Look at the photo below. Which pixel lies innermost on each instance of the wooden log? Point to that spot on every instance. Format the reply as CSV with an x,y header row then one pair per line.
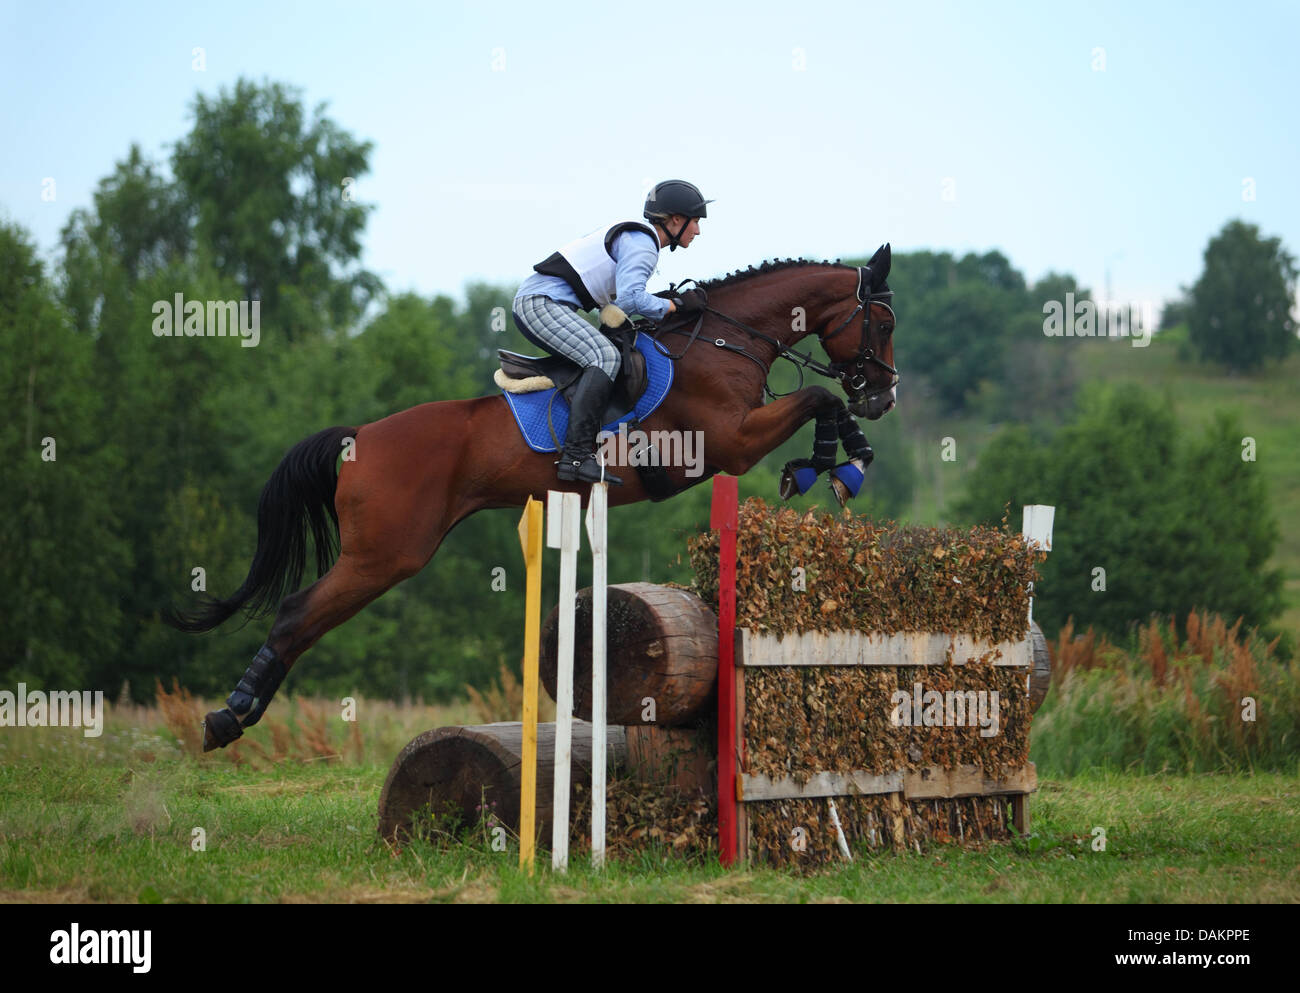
x,y
662,644
454,771
680,757
1040,674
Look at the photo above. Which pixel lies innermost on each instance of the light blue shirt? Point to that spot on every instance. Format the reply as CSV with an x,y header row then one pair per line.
x,y
635,255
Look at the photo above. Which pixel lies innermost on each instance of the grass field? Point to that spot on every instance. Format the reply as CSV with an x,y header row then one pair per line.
x,y
113,819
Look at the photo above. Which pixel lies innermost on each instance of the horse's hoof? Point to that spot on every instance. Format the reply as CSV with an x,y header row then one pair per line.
x,y
846,480
797,476
220,728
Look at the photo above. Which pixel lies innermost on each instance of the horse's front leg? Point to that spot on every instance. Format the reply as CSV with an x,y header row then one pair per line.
x,y
762,429
798,475
846,478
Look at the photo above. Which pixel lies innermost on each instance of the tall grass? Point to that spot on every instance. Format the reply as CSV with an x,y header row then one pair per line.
x,y
1216,699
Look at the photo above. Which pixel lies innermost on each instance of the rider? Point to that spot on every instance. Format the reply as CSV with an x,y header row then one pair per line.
x,y
609,265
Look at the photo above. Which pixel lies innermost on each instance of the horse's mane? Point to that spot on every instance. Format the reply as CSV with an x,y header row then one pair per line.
x,y
775,265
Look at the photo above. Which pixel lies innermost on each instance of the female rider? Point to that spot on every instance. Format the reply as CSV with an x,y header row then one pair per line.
x,y
609,265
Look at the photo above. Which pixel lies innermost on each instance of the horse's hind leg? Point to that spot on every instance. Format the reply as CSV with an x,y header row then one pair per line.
x,y
394,511
302,619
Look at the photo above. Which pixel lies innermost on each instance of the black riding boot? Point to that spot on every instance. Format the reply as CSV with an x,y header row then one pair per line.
x,y
577,459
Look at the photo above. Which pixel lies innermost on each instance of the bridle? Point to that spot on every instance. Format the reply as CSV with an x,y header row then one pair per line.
x,y
856,387
851,373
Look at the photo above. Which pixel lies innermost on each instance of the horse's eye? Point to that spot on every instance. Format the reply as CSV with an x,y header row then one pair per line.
x,y
886,329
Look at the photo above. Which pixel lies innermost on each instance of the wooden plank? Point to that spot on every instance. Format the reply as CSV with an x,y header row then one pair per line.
x,y
896,810
742,760
1020,813
761,648
931,783
760,787
937,783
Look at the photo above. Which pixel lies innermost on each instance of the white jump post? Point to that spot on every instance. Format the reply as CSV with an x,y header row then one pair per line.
x,y
597,513
1037,529
563,515
563,522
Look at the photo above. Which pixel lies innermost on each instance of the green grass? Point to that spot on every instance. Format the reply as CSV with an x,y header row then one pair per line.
x,y
113,821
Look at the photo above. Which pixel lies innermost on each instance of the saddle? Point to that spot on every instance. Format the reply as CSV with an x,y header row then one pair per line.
x,y
531,374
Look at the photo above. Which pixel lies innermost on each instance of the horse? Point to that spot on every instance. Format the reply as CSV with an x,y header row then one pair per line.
x,y
405,481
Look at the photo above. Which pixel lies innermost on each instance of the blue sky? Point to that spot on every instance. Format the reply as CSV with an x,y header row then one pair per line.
x,y
822,129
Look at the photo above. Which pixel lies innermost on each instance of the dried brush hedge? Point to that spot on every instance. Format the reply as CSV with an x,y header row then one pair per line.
x,y
820,573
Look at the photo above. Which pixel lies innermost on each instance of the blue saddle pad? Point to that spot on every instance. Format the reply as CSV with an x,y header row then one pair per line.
x,y
530,408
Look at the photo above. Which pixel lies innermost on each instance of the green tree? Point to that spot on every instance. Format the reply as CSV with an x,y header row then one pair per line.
x,y
273,196
1240,307
957,337
59,549
1175,523
140,221
972,330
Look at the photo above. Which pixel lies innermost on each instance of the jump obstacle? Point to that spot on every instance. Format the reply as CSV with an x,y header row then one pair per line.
x,y
811,747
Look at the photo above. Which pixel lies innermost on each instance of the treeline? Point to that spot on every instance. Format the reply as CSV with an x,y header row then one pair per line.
x,y
134,459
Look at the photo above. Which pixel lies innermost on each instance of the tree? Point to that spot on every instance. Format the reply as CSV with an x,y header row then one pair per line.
x,y
957,337
273,195
1174,523
140,218
973,330
59,624
1240,313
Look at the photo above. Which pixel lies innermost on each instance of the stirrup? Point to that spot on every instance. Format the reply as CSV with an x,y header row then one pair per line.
x,y
588,469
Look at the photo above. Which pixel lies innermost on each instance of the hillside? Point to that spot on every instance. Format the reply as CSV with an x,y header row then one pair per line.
x,y
1267,404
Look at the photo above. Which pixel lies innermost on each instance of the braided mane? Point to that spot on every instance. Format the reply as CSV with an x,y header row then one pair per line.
x,y
775,265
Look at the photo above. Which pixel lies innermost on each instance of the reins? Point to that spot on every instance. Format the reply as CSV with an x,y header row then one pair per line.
x,y
837,371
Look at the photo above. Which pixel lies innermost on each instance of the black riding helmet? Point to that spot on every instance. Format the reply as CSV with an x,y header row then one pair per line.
x,y
674,196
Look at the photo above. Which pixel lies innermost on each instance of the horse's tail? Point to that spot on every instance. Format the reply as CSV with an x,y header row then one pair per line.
x,y
298,498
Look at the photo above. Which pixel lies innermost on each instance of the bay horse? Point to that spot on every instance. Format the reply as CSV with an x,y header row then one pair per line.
x,y
412,476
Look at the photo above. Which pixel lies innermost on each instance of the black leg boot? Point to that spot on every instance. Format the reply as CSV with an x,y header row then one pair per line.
x,y
577,459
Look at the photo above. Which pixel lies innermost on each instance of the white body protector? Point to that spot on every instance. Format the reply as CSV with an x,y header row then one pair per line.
x,y
587,265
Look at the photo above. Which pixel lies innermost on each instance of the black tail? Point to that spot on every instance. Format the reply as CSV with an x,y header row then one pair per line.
x,y
298,498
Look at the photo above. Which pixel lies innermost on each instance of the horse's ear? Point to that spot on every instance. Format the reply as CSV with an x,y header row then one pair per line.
x,y
880,266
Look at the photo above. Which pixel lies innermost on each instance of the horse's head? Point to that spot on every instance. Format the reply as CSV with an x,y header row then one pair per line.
x,y
862,352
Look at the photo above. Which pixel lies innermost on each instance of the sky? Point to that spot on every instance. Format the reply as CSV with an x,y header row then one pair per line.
x,y
1110,142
